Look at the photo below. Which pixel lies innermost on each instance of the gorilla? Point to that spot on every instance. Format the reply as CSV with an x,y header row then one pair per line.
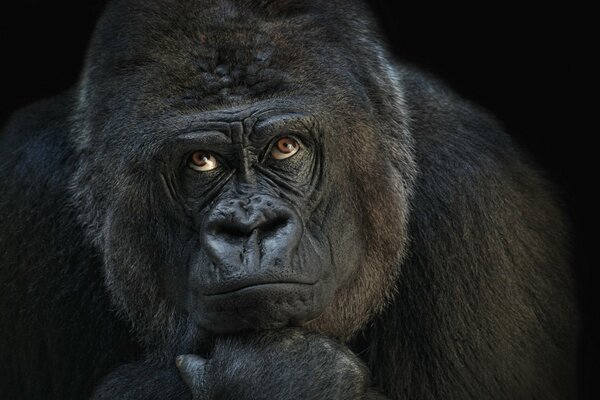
x,y
250,199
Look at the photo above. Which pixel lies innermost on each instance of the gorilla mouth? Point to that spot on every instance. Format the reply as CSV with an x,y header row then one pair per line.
x,y
258,304
266,286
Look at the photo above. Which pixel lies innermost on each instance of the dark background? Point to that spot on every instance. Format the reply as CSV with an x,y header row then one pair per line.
x,y
518,59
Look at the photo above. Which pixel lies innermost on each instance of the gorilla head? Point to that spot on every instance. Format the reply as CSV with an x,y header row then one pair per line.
x,y
236,170
226,167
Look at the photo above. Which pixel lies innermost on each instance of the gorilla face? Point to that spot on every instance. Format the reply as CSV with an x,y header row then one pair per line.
x,y
248,182
232,172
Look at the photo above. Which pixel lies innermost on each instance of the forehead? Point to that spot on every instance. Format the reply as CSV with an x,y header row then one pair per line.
x,y
193,57
226,73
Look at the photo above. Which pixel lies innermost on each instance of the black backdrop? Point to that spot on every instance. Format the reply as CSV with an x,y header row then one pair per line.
x,y
519,59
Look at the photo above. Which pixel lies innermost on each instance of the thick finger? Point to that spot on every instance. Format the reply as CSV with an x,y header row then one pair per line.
x,y
192,368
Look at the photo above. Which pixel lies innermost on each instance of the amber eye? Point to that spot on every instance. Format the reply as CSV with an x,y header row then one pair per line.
x,y
202,161
284,148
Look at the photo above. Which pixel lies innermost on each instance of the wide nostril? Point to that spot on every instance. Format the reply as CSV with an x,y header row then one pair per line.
x,y
274,224
229,231
237,229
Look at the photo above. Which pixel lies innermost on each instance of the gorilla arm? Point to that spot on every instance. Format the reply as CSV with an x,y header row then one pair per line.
x,y
485,301
54,310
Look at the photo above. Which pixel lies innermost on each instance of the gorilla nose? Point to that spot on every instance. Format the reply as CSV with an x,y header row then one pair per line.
x,y
260,231
241,227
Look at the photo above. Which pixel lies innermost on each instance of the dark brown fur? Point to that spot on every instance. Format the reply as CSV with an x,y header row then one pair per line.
x,y
448,245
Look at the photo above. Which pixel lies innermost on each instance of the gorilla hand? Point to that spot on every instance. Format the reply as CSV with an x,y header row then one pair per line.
x,y
284,364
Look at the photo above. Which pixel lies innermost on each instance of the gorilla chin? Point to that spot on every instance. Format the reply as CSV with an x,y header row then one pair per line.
x,y
260,306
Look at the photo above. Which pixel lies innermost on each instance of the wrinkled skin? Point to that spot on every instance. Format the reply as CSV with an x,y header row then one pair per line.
x,y
250,200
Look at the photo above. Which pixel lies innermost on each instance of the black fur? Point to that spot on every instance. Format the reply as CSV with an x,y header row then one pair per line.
x,y
438,250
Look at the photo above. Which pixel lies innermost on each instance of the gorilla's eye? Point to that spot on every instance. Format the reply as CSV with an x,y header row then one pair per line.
x,y
284,148
202,161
